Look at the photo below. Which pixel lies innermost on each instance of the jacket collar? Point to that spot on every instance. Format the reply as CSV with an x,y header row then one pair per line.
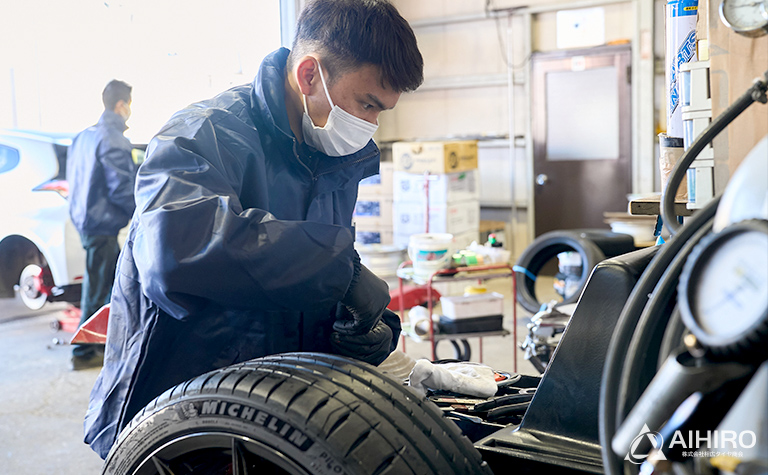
x,y
269,92
114,120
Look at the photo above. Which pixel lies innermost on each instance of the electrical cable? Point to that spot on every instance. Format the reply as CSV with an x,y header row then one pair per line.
x,y
624,330
757,92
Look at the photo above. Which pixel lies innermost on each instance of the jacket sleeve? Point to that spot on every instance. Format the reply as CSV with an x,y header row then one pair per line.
x,y
196,244
120,173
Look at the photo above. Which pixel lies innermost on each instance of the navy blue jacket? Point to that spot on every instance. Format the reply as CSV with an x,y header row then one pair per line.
x,y
241,246
101,175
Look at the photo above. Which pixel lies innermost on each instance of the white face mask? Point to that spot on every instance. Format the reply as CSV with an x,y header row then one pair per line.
x,y
343,133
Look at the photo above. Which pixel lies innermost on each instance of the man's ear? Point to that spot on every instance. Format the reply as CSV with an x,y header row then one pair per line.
x,y
118,105
307,74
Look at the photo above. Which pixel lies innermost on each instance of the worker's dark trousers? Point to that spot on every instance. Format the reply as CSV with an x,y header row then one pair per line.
x,y
101,254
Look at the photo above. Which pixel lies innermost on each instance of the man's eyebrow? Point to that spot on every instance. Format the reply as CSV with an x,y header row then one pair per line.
x,y
377,102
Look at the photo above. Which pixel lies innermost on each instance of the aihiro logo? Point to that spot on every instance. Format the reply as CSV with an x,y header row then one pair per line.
x,y
656,442
648,445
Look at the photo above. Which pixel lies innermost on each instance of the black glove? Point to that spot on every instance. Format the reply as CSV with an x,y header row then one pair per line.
x,y
366,299
372,347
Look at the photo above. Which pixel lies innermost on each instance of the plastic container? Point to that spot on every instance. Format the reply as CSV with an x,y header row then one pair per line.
x,y
680,41
472,306
490,323
430,252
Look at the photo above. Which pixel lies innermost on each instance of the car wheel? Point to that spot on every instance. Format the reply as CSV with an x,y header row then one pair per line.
x,y
299,413
29,290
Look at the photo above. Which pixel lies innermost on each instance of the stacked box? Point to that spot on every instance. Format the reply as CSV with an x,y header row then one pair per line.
x,y
454,218
444,188
373,211
378,185
435,158
450,169
696,101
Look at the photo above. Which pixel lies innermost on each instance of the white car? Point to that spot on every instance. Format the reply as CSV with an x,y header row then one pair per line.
x,y
40,251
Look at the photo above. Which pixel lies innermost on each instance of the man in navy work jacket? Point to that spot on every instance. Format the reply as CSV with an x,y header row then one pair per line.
x,y
242,243
101,175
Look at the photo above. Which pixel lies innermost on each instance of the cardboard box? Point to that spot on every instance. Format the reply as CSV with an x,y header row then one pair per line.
x,y
373,211
377,185
446,188
374,235
435,157
408,217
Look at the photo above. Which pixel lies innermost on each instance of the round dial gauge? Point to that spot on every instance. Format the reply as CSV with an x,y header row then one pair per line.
x,y
723,292
746,17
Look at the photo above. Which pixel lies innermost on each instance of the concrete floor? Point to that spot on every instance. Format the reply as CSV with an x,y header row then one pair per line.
x,y
42,402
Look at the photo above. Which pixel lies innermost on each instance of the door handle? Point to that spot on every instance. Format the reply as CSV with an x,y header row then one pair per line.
x,y
541,179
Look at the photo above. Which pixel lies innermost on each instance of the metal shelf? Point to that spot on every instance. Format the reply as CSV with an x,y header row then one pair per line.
x,y
479,273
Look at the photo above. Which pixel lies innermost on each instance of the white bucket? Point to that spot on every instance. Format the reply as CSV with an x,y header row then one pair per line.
x,y
430,252
383,260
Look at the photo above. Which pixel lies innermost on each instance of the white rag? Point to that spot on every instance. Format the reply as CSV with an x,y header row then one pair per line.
x,y
463,378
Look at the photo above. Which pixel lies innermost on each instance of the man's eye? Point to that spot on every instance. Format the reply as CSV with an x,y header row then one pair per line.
x,y
367,106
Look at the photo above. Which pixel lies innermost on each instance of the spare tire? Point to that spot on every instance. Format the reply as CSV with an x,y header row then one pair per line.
x,y
593,245
293,413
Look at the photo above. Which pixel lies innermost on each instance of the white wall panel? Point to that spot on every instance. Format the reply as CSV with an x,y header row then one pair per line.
x,y
445,113
619,25
414,10
467,48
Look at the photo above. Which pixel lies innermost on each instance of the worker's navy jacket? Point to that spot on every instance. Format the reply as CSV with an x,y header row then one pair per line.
x,y
241,246
101,176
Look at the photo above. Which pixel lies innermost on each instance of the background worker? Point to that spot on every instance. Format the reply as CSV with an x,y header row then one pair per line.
x,y
101,175
242,242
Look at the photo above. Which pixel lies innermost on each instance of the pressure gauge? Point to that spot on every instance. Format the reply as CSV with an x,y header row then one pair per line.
x,y
723,292
746,17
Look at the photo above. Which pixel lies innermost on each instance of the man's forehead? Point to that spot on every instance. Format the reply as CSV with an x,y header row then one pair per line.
x,y
369,85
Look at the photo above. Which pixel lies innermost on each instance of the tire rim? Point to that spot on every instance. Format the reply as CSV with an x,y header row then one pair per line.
x,y
30,294
217,453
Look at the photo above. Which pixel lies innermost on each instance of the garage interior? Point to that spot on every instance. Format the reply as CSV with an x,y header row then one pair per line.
x,y
558,111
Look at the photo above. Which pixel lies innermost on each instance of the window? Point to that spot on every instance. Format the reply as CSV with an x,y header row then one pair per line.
x,y
9,158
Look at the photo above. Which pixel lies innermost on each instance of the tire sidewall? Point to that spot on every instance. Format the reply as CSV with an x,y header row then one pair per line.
x,y
226,415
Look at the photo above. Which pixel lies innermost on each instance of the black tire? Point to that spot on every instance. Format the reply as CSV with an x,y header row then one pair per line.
x,y
537,363
293,413
461,349
544,248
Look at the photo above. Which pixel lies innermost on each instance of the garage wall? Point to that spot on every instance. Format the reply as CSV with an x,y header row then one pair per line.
x,y
475,53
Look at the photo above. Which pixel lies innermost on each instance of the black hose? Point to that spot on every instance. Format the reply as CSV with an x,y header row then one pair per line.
x,y
641,361
755,93
622,334
673,336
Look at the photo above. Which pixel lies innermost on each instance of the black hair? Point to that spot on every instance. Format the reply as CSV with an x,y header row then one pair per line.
x,y
351,33
115,91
